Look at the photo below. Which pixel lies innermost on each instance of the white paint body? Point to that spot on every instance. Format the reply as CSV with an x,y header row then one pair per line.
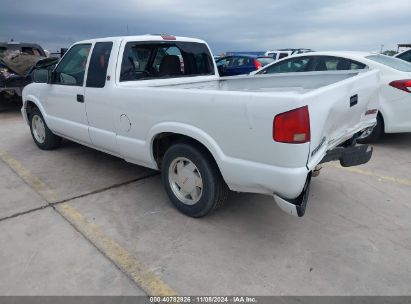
x,y
395,105
232,117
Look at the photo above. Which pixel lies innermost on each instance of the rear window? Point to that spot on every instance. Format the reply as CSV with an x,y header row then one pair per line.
x,y
265,60
150,60
394,63
405,56
31,51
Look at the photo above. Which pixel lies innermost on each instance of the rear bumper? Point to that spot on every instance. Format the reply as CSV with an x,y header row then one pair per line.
x,y
348,156
295,207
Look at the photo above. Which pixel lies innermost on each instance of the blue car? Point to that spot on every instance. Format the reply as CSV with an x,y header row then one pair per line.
x,y
241,64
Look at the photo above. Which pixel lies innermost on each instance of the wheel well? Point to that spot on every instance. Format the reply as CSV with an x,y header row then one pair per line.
x,y
382,120
30,106
165,140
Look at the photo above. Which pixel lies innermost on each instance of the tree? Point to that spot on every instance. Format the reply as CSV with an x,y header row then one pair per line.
x,y
389,52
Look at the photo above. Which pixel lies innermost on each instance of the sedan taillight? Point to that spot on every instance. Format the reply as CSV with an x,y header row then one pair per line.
x,y
404,85
257,64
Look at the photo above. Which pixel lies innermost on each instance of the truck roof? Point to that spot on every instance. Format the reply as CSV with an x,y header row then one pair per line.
x,y
147,37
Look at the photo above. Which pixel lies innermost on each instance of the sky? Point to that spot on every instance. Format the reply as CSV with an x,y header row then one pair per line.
x,y
227,25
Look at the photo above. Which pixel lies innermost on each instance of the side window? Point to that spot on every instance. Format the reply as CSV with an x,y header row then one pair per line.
x,y
406,56
328,63
223,62
244,61
71,69
142,60
97,69
282,55
354,65
296,64
239,61
274,55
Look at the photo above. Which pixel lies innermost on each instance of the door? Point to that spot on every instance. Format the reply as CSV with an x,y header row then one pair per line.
x,y
64,103
99,105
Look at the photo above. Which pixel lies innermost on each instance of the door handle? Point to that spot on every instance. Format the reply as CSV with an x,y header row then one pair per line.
x,y
80,98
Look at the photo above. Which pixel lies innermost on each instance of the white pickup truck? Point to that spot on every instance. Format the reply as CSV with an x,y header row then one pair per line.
x,y
158,101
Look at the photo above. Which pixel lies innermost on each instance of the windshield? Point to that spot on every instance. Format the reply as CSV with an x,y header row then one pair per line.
x,y
394,63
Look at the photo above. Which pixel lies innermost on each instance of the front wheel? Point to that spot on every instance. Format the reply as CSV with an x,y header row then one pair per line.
x,y
192,180
42,136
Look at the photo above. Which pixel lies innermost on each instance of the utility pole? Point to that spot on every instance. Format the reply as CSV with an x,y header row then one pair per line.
x,y
127,29
382,47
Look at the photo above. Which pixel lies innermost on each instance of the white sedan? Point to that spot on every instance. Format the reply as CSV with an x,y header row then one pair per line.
x,y
395,82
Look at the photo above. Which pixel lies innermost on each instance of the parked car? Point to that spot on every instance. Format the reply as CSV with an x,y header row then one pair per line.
x,y
406,55
130,97
17,61
243,64
23,47
395,82
280,54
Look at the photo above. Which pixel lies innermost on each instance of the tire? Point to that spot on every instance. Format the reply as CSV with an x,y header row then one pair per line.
x,y
376,133
186,167
42,136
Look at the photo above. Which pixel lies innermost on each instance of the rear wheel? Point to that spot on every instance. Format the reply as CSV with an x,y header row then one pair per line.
x,y
42,136
192,180
375,134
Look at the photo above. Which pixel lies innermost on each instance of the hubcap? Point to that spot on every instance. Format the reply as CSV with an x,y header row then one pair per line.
x,y
185,180
39,130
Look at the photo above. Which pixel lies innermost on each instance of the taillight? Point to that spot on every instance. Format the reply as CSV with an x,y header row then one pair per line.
x,y
168,37
257,64
404,85
292,127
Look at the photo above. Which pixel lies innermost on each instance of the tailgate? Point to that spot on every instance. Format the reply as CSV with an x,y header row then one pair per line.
x,y
337,112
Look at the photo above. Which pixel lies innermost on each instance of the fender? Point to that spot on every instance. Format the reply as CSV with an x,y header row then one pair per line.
x,y
34,100
187,130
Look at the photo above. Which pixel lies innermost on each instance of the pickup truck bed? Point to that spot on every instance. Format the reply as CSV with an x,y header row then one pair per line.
x,y
240,125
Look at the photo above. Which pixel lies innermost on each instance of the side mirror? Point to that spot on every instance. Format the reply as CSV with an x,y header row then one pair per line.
x,y
52,77
41,76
